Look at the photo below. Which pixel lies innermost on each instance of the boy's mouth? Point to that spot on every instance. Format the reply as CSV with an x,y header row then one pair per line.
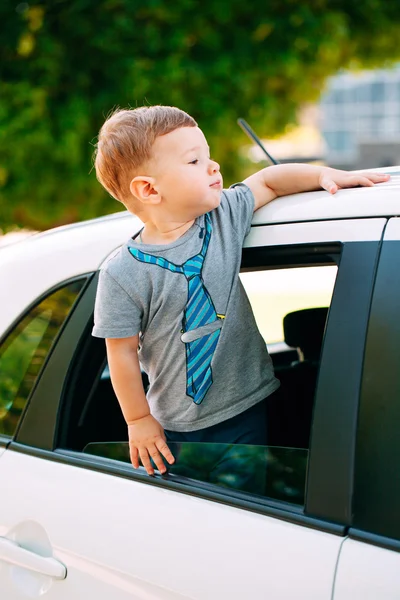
x,y
216,184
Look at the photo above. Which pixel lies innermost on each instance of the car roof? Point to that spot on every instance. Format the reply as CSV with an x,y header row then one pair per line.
x,y
39,260
380,200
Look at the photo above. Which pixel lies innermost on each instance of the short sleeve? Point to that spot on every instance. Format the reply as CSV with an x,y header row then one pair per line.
x,y
116,315
238,202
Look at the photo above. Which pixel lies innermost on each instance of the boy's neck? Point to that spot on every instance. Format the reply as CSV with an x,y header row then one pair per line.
x,y
163,233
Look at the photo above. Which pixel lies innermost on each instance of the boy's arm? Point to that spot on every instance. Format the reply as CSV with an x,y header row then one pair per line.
x,y
146,436
281,180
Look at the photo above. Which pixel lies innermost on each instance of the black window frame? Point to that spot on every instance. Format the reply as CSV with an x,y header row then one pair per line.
x,y
377,473
331,463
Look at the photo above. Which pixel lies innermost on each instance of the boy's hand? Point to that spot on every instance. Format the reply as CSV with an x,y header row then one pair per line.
x,y
147,439
333,179
293,178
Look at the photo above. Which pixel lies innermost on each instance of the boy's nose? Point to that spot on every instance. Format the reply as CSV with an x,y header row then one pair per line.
x,y
214,167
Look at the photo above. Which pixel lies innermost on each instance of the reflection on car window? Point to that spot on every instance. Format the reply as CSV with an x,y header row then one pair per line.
x,y
24,351
273,472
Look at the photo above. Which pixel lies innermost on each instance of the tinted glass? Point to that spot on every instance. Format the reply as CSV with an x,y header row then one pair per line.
x,y
273,472
376,498
23,352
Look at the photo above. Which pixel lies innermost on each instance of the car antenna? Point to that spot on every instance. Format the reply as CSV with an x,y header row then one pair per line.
x,y
248,131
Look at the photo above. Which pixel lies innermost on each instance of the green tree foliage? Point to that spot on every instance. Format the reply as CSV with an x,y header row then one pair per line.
x,y
64,65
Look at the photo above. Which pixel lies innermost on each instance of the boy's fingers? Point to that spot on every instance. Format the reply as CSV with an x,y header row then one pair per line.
x,y
144,457
365,181
133,451
155,455
329,185
165,451
378,177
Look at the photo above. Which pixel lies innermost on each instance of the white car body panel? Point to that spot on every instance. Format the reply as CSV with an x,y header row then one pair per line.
x,y
392,231
353,230
381,200
123,539
367,572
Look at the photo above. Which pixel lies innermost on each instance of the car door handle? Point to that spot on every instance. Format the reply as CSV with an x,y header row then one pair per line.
x,y
13,553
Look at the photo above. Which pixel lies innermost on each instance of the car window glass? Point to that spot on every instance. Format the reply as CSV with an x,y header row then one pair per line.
x,y
273,472
24,350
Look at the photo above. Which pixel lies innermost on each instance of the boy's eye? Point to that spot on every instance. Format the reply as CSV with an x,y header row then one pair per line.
x,y
194,162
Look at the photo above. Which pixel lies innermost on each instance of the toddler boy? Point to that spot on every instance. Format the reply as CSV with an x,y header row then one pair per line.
x,y
170,299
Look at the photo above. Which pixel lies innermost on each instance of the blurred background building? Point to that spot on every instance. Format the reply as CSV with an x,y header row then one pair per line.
x,y
359,118
356,124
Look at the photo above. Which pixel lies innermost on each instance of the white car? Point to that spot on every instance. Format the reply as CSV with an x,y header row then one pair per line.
x,y
315,515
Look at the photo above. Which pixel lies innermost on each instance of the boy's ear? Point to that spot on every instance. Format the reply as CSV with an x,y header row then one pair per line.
x,y
143,188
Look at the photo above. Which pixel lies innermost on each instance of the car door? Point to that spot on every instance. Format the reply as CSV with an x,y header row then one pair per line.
x,y
122,534
369,565
24,349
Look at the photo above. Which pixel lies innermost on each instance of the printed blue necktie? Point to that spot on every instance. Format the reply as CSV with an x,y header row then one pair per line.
x,y
199,312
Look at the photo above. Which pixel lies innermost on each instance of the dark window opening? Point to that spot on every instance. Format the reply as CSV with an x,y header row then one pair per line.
x,y
290,296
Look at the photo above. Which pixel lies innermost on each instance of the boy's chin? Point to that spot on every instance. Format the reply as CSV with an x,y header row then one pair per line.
x,y
216,201
206,207
203,209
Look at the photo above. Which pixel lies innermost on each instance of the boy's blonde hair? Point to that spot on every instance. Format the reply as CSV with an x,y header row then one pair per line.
x,y
125,142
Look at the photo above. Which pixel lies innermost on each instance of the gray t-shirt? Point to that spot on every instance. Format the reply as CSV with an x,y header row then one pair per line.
x,y
198,339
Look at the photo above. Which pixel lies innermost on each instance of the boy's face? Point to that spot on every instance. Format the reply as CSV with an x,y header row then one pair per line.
x,y
188,181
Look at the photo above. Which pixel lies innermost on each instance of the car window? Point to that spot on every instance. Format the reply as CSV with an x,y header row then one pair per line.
x,y
24,350
291,307
277,473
